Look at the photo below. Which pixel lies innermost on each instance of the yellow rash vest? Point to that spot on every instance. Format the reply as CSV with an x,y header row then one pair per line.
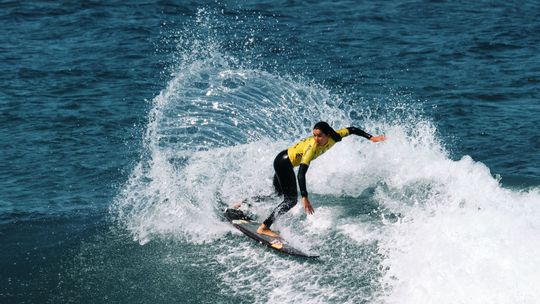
x,y
307,149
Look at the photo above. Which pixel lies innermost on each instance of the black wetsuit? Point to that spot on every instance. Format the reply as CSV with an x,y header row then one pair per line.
x,y
284,178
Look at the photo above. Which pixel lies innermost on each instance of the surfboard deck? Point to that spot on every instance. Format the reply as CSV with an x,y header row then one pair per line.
x,y
249,227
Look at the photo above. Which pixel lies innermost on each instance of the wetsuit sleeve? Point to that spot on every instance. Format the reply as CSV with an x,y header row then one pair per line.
x,y
302,179
356,131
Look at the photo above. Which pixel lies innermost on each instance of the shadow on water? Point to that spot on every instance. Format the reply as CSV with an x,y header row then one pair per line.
x,y
364,206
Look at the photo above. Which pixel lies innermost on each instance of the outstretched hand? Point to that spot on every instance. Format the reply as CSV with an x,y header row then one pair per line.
x,y
307,206
378,138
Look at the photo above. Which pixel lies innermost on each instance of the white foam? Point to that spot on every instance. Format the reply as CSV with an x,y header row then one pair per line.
x,y
463,239
359,232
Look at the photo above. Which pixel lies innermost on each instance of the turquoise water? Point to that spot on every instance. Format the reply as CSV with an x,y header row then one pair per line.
x,y
127,128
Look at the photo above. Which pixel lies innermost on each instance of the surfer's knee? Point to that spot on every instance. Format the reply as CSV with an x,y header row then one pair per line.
x,y
287,204
290,200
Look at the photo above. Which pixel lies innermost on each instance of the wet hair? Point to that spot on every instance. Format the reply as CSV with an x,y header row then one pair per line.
x,y
327,130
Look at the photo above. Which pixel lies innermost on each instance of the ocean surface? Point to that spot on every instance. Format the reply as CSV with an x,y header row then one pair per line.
x,y
126,128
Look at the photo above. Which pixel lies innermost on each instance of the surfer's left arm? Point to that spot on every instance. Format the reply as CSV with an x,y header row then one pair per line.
x,y
360,132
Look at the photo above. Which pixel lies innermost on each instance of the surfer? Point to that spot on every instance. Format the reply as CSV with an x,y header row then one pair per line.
x,y
301,154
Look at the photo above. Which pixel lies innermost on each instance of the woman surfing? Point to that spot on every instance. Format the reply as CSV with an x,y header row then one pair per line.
x,y
301,154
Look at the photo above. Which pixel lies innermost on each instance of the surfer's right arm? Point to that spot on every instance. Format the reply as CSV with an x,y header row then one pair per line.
x,y
303,191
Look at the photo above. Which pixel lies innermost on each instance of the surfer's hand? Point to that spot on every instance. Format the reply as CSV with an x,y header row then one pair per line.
x,y
378,138
307,206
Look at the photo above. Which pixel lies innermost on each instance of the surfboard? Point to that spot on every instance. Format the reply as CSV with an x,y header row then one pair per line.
x,y
249,227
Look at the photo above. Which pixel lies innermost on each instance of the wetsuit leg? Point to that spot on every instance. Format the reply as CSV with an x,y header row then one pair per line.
x,y
286,181
277,186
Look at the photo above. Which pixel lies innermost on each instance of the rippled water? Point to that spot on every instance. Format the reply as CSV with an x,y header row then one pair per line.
x,y
126,129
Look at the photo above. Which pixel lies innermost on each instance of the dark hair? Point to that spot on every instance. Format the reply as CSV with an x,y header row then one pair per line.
x,y
327,130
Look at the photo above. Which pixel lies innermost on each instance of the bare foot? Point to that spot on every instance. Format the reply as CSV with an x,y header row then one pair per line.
x,y
265,231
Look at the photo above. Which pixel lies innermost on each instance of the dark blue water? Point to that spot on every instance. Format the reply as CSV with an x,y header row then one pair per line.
x,y
126,128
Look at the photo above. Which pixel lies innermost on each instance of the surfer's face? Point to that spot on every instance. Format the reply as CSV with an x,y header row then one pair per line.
x,y
320,138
